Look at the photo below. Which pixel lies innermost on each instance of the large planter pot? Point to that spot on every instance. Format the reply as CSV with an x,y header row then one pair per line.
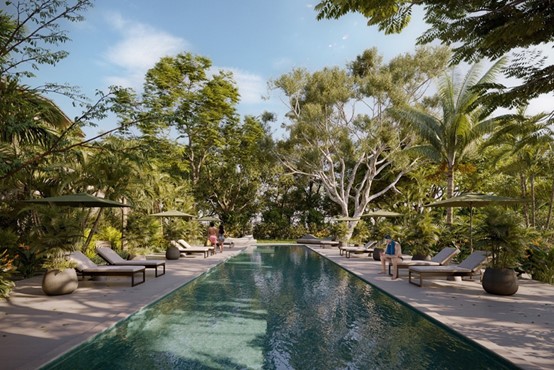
x,y
58,282
500,281
377,254
172,253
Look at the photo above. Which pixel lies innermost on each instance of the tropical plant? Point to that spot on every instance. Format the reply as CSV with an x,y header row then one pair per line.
x,y
523,147
56,233
357,157
501,234
451,135
479,29
6,269
542,265
421,235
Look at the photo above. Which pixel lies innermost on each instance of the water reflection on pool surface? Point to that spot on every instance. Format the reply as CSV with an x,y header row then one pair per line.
x,y
277,308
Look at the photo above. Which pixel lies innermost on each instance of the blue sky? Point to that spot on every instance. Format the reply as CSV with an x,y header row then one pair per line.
x,y
257,40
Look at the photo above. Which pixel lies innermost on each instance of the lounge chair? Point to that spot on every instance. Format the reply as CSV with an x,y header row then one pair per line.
x,y
85,267
468,267
310,239
439,259
189,248
112,258
367,248
185,248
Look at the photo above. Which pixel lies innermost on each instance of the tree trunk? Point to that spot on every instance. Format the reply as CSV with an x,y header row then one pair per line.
x,y
523,188
449,191
547,226
533,209
92,230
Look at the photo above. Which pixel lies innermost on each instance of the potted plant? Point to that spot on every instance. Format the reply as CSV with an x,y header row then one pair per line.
x,y
60,276
55,235
503,236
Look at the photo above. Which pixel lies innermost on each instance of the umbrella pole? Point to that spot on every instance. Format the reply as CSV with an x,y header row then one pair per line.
x,y
471,229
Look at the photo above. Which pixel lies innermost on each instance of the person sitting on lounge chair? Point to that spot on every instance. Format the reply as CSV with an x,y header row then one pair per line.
x,y
393,253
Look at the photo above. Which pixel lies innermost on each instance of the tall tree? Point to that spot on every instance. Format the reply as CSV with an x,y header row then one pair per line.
x,y
237,173
30,33
451,134
180,93
478,29
523,147
345,150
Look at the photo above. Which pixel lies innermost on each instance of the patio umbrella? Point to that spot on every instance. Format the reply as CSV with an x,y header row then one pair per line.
x,y
382,213
82,200
347,219
472,200
208,218
170,213
78,200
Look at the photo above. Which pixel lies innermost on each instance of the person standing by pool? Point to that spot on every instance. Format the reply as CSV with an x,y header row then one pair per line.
x,y
221,237
212,234
393,253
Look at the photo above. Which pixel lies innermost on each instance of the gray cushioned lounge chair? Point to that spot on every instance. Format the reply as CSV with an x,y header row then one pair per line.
x,y
367,248
468,267
85,267
312,240
206,251
112,258
442,258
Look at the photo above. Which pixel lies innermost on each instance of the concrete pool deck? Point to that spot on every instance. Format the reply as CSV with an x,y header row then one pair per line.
x,y
35,329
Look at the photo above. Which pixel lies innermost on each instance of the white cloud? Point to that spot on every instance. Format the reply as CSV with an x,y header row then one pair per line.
x,y
139,47
282,63
251,86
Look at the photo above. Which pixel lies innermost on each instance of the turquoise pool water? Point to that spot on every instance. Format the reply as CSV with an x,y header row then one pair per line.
x,y
278,308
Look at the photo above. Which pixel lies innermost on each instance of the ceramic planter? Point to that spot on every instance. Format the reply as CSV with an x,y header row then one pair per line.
x,y
500,281
172,253
58,282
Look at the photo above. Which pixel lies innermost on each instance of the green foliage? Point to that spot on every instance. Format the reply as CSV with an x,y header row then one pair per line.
x,y
421,235
456,235
451,135
55,234
110,234
479,29
6,269
540,264
58,263
502,234
344,152
25,259
30,28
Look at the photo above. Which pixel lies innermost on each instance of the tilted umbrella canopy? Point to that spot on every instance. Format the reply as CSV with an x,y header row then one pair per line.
x,y
78,200
474,200
171,213
208,218
346,219
382,213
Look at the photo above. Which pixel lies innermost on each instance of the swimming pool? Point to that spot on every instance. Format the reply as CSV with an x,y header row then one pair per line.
x,y
278,308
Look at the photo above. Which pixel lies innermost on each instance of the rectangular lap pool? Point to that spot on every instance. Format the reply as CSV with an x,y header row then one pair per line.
x,y
278,308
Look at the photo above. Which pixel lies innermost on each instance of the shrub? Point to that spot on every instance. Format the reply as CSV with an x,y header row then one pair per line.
x,y
6,269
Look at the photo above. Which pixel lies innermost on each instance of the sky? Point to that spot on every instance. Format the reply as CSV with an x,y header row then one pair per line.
x,y
258,40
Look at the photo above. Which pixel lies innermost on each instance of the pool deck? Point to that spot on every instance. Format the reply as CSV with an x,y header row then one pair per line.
x,y
35,328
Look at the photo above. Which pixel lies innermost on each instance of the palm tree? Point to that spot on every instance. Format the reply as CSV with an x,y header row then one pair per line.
x,y
451,135
524,144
